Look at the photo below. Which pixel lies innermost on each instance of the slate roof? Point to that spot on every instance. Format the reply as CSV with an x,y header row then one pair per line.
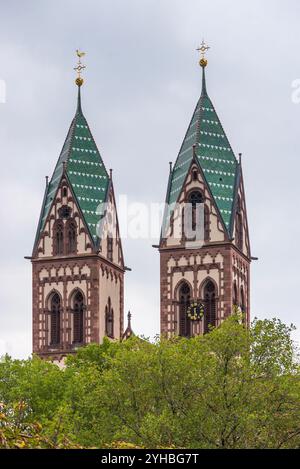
x,y
213,154
85,170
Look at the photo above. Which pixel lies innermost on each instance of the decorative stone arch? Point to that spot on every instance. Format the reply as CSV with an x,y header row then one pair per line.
x,y
178,286
71,296
194,189
49,296
203,283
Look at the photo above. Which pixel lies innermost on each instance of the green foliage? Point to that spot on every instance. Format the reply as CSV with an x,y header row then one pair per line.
x,y
235,387
16,433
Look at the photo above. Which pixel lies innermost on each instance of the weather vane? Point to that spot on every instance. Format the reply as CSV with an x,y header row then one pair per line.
x,y
79,68
203,49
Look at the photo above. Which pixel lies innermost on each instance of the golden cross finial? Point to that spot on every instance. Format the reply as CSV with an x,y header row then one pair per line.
x,y
79,68
203,48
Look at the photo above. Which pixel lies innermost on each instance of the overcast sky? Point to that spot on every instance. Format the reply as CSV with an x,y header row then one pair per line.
x,y
142,82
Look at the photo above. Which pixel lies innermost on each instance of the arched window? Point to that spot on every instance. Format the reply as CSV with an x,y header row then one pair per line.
x,y
109,320
234,295
195,198
184,301
209,306
78,307
58,237
71,231
55,319
239,225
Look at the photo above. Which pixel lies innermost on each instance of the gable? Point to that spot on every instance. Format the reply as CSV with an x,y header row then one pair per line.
x,y
194,181
80,159
63,198
206,139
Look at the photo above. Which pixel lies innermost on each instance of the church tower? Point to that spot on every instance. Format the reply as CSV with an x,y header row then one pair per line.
x,y
204,246
77,259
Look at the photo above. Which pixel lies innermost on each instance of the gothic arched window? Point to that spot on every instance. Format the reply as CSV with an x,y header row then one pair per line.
x,y
58,237
209,306
55,319
71,231
184,301
78,308
195,198
109,320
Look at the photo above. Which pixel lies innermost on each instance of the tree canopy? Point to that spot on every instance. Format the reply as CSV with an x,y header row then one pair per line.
x,y
236,387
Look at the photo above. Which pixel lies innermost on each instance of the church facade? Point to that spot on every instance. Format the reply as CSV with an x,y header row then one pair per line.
x,y
77,260
204,247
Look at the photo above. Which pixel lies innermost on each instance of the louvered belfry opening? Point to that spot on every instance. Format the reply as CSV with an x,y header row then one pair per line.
x,y
78,318
184,301
209,306
55,320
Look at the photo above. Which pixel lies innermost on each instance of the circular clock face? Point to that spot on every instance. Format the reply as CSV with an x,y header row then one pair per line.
x,y
195,311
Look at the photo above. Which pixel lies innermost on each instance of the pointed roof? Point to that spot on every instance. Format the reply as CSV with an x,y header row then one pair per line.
x,y
128,331
81,162
206,141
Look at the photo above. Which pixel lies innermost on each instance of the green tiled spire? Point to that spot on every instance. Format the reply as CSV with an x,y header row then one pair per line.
x,y
85,170
206,139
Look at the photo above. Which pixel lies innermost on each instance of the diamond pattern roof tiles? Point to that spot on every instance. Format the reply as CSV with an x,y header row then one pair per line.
x,y
85,170
213,154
